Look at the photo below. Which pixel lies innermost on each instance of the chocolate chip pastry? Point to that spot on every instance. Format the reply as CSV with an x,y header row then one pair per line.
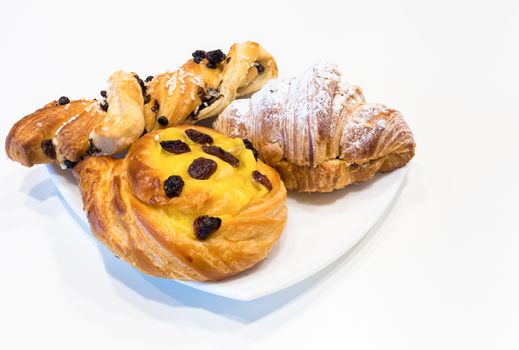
x,y
318,131
185,203
67,131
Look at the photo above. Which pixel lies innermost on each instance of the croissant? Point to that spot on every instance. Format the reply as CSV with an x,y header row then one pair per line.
x,y
185,203
67,131
318,131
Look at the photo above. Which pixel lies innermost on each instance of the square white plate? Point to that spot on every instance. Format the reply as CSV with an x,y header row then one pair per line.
x,y
321,227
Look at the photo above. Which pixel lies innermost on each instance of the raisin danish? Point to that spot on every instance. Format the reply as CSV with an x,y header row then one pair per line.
x,y
70,130
185,203
318,131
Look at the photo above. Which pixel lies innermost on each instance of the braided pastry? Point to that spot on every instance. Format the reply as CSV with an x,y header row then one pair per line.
x,y
70,130
185,203
318,131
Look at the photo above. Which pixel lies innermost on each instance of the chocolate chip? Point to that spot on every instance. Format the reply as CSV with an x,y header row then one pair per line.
x,y
162,120
262,179
205,225
259,67
155,108
223,155
147,99
103,93
202,168
249,145
199,137
69,164
175,146
48,148
149,78
63,100
92,149
173,186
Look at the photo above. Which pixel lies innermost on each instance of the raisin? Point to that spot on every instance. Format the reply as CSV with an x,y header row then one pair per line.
x,y
198,56
249,145
147,99
228,59
259,67
63,100
104,106
69,164
175,146
173,186
215,56
149,78
48,148
92,149
211,65
155,107
103,93
162,120
199,137
262,179
205,225
223,155
202,168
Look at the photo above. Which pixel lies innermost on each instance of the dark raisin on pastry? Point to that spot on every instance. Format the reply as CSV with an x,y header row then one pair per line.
x,y
198,56
48,148
104,106
63,100
223,155
69,164
215,56
147,99
198,137
141,83
92,149
259,67
155,108
175,146
250,146
205,225
103,93
149,78
173,186
162,120
202,168
262,179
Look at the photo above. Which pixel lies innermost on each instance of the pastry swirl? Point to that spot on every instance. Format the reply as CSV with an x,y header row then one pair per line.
x,y
150,211
318,131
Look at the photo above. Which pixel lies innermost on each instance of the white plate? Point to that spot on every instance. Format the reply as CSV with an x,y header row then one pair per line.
x,y
321,228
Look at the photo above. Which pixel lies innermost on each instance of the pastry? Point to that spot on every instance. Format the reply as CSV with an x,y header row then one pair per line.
x,y
67,131
185,203
318,131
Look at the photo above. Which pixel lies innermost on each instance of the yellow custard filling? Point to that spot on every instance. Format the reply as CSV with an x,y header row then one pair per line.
x,y
224,194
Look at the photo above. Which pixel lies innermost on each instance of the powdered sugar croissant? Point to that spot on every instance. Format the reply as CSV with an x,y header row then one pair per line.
x,y
318,131
70,130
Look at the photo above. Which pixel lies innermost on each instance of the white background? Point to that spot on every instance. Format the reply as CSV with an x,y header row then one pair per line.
x,y
441,272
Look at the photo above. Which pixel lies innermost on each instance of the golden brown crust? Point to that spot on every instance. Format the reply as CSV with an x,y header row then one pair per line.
x,y
195,91
130,110
318,131
153,240
23,143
